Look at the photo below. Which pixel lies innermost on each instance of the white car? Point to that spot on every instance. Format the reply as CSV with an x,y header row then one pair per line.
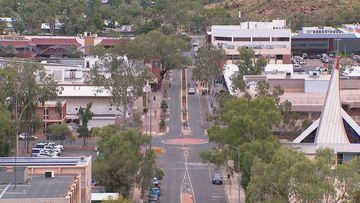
x,y
59,146
23,136
191,90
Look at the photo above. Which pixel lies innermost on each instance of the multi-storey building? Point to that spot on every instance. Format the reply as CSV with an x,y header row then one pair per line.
x,y
268,39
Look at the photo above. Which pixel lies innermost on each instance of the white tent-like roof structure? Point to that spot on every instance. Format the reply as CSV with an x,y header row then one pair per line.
x,y
329,129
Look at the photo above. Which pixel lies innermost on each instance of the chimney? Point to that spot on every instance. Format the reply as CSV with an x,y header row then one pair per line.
x,y
89,41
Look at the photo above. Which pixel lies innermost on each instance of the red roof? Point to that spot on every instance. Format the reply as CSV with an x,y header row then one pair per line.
x,y
55,41
110,42
15,43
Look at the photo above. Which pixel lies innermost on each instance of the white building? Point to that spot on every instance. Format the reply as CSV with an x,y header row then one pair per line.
x,y
269,39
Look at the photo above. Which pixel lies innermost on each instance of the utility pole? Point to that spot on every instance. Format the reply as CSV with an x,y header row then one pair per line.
x,y
148,89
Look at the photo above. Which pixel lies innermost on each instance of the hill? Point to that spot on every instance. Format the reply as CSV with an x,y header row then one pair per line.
x,y
305,12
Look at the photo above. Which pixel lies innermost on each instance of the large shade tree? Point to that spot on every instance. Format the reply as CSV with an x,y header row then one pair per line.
x,y
169,48
121,164
121,72
22,87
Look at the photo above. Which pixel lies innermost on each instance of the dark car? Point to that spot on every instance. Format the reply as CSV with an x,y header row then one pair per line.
x,y
153,197
217,179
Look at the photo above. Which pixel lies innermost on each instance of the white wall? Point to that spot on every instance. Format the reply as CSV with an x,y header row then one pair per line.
x,y
316,86
101,105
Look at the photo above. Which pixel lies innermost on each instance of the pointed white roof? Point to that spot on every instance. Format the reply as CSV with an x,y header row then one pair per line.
x,y
331,126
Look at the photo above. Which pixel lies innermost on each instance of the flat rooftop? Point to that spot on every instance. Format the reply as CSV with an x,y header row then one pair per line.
x,y
43,161
38,187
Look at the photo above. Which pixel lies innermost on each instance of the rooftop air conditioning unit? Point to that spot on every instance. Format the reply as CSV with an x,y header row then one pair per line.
x,y
49,174
82,158
314,73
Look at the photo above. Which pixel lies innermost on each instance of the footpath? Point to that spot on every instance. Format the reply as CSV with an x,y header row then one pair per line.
x,y
231,187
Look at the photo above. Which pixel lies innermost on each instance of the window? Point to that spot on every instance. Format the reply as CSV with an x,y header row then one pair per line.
x,y
298,45
280,39
46,113
223,38
261,39
46,129
72,73
87,64
242,39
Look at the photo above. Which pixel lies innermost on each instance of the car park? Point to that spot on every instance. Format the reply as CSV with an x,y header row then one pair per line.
x,y
217,179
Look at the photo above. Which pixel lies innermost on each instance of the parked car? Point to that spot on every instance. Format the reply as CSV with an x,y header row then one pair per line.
x,y
305,55
191,90
53,150
23,136
217,179
44,153
59,146
41,145
155,190
155,181
153,197
35,152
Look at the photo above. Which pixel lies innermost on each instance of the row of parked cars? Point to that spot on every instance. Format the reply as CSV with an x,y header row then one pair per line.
x,y
49,149
155,191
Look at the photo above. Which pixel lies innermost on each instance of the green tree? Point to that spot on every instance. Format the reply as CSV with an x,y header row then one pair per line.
x,y
122,73
120,199
290,176
60,132
85,115
120,159
241,121
208,65
148,170
247,66
22,87
7,132
169,48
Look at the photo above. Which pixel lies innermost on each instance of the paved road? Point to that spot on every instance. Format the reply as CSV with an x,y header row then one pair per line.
x,y
191,175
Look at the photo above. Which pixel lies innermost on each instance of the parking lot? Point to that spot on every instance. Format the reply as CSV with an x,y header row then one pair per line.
x,y
71,149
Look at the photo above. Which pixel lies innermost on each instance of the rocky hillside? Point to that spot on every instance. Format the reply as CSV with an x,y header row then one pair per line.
x,y
306,12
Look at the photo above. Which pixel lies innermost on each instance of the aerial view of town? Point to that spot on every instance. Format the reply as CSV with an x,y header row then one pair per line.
x,y
179,101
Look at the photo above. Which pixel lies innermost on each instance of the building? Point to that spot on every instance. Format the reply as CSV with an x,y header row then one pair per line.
x,y
39,188
334,129
66,171
54,46
77,96
306,92
268,39
51,112
318,40
8,27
